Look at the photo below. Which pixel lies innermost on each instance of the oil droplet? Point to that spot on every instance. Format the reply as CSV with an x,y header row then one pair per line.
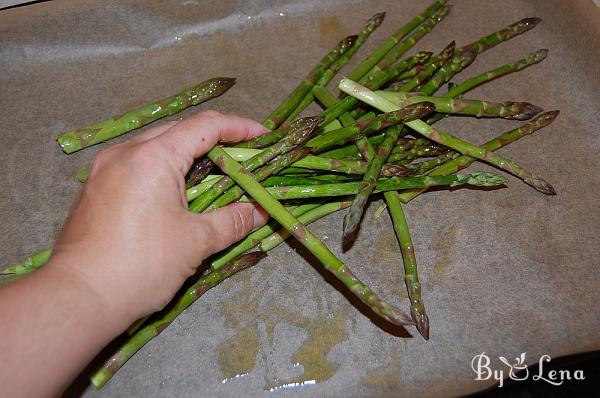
x,y
237,355
249,307
381,379
293,385
324,334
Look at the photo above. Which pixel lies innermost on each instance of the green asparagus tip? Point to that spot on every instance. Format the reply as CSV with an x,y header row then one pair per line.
x,y
537,56
423,56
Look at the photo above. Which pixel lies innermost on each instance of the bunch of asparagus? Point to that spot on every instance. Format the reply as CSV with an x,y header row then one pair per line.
x,y
377,136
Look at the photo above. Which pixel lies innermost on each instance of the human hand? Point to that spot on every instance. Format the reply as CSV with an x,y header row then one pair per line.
x,y
129,235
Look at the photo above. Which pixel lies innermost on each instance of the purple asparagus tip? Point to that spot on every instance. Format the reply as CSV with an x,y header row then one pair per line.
x,y
530,23
395,170
218,85
548,189
527,111
348,42
465,58
546,118
378,19
541,185
422,326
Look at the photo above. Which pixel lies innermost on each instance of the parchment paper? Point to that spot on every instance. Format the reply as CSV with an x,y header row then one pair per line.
x,y
504,272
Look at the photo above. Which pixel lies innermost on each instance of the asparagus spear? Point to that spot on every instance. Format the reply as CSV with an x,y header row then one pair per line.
x,y
350,151
461,162
478,108
198,172
291,102
305,237
377,75
433,64
300,131
317,144
373,23
99,132
450,141
367,185
255,237
164,318
235,192
277,180
323,190
334,138
197,190
341,107
354,215
321,163
459,61
502,35
464,56
416,152
276,238
480,179
401,48
408,74
405,145
411,276
469,84
393,40
349,166
485,77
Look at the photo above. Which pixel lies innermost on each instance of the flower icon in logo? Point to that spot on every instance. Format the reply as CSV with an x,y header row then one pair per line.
x,y
519,365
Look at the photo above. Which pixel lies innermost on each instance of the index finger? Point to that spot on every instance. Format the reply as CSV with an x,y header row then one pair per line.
x,y
196,135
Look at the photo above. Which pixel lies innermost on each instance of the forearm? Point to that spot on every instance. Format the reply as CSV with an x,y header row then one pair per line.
x,y
53,324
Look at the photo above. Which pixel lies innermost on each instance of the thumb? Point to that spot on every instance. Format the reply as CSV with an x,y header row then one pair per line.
x,y
227,225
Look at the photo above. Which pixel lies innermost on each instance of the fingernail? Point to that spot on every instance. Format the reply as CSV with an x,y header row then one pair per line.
x,y
259,216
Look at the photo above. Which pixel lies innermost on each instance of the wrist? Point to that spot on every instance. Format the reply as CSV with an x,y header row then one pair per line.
x,y
98,302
